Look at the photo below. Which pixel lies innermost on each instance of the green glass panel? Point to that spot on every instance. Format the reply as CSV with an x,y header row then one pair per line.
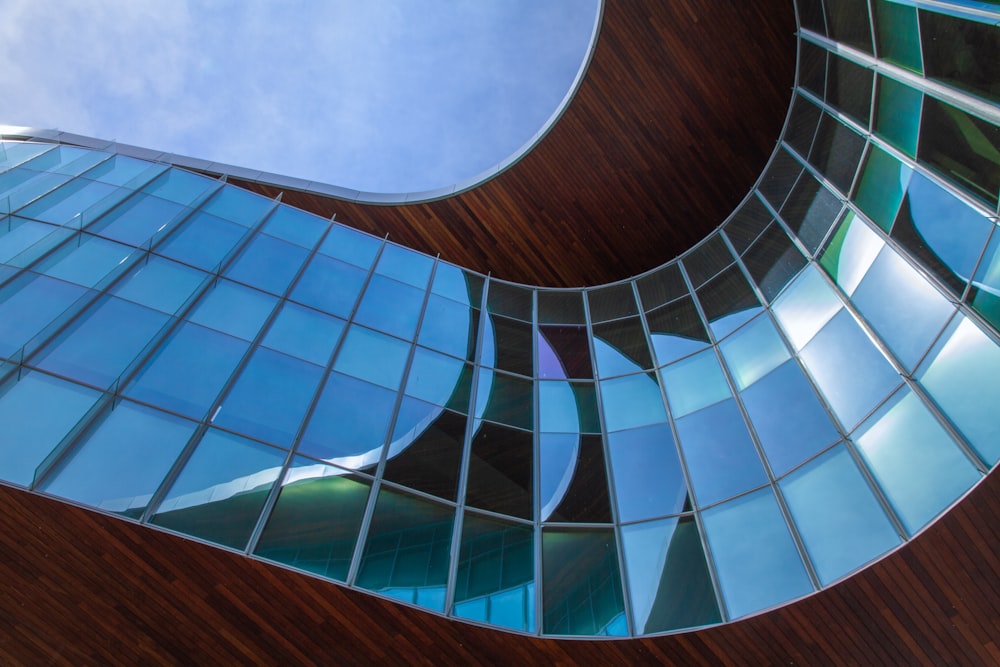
x,y
850,253
582,588
897,34
964,148
883,183
898,117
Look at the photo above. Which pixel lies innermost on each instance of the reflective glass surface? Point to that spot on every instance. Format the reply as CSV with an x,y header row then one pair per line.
x,y
582,588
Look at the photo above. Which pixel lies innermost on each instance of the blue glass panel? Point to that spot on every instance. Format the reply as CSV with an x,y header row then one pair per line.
x,y
187,372
721,457
329,285
87,263
16,152
237,205
179,186
440,380
805,307
350,245
450,327
219,493
121,169
850,253
18,234
304,333
371,356
119,465
66,160
840,520
136,221
649,481
790,422
204,241
557,408
754,352
270,397
233,309
914,460
630,401
453,283
676,330
21,186
961,375
99,346
160,284
35,414
268,263
30,303
557,458
349,423
76,197
291,224
901,306
728,301
390,306
755,558
847,367
695,383
405,265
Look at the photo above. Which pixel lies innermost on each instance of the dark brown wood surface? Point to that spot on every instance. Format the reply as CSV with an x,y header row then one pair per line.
x,y
680,109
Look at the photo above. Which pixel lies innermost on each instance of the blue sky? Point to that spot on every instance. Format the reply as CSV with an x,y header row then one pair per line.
x,y
376,95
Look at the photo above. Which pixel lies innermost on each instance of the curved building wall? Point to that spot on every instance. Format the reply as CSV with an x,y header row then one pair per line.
x,y
792,399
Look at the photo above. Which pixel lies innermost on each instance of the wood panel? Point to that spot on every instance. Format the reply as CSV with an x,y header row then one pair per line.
x,y
674,121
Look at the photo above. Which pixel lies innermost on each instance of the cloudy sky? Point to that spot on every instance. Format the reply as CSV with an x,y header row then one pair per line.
x,y
376,95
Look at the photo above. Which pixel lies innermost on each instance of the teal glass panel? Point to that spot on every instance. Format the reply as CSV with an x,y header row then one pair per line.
x,y
316,520
28,304
80,197
204,241
962,147
850,253
668,576
897,35
329,285
753,352
221,490
755,558
805,307
348,425
295,226
187,372
88,262
851,372
98,346
405,265
440,380
960,374
633,400
720,456
557,456
372,356
582,588
902,307
883,182
179,186
897,118
450,327
676,330
649,481
159,283
694,383
304,333
425,451
390,306
839,519
963,52
505,399
120,463
233,309
268,264
351,246
917,464
270,397
238,205
788,418
501,470
984,295
495,580
137,220
408,549
36,413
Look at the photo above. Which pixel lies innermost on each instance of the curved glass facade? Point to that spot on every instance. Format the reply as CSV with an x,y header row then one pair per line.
x,y
798,395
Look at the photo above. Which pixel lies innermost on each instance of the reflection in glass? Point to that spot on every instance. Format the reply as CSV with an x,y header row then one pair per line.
x,y
585,497
351,246
620,347
850,253
304,333
500,470
753,352
898,117
510,343
450,327
773,261
805,307
567,407
425,451
329,285
582,588
880,191
204,241
676,330
372,356
390,306
695,383
633,400
159,283
233,309
295,226
649,481
268,264
505,399
728,301
564,352
440,380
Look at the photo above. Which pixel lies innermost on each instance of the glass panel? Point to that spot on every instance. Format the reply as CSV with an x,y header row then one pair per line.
x,y
612,302
28,304
880,191
405,266
850,253
268,264
849,86
179,186
204,241
914,460
304,333
17,235
897,35
505,399
119,465
372,356
233,309
649,481
662,286
237,205
440,380
88,262
160,284
315,523
984,295
898,117
962,52
753,352
567,407
632,401
620,347
80,197
425,452
564,352
773,261
747,222
560,307
668,577
408,549
500,470
847,21
802,125
676,330
785,169
707,259
755,558
37,412
836,152
450,327
298,227
810,211
510,300
961,375
806,307
584,496
459,285
390,306
495,579
221,490
351,246
964,148
122,170
582,588
137,220
329,285
695,383
839,518
728,301
720,456
507,345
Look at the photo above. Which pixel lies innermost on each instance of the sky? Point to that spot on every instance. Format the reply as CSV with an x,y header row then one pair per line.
x,y
386,96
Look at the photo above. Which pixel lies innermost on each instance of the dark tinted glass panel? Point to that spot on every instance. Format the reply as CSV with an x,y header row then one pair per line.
x,y
961,52
268,263
669,581
510,300
964,148
748,222
495,581
612,302
408,548
810,211
707,260
847,21
505,399
802,126
329,285
812,67
560,308
676,330
425,451
220,492
896,34
450,327
897,119
621,347
314,524
773,261
836,152
648,478
511,345
564,352
728,301
582,591
500,471
881,187
850,89
779,179
812,16
664,285
585,497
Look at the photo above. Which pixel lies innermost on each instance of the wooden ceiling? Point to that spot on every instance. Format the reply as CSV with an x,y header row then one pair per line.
x,y
675,119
